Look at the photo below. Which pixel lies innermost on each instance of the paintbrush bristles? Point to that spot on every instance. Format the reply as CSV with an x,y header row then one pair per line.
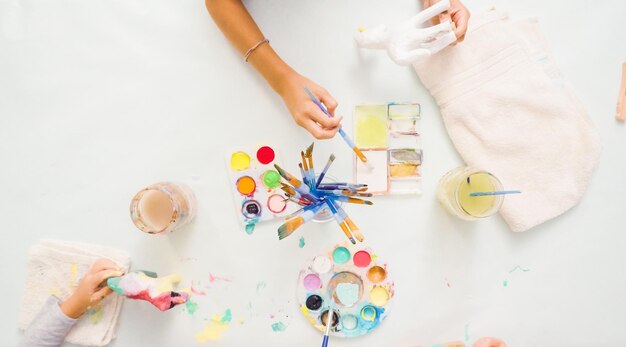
x,y
309,155
304,163
289,227
355,230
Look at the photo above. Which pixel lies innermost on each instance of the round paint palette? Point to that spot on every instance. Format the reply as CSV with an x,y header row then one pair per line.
x,y
357,284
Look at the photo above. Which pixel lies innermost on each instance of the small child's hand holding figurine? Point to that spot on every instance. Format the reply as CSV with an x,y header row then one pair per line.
x,y
91,289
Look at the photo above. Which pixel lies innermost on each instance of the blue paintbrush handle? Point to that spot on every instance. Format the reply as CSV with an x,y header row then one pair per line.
x,y
502,192
325,341
319,104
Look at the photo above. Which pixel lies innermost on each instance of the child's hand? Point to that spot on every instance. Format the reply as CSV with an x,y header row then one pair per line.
x,y
304,111
91,289
489,342
457,13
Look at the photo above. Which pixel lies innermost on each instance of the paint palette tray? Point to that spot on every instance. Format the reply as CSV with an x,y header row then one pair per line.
x,y
389,136
255,185
361,288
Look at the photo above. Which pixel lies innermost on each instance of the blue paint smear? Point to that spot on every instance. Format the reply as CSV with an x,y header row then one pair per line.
x,y
363,326
250,228
279,327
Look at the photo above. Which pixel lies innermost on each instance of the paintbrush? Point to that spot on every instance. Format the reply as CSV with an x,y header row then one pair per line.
x,y
329,322
296,197
311,171
350,187
343,184
303,189
340,221
304,168
502,192
289,190
328,163
343,134
355,230
294,223
303,174
299,201
304,208
343,192
351,200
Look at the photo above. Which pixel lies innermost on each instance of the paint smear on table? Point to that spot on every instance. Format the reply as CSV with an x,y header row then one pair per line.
x,y
196,291
215,328
249,228
95,314
301,244
279,327
260,286
192,307
517,267
466,332
214,278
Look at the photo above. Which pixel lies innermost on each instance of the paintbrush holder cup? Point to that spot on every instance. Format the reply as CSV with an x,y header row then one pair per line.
x,y
325,215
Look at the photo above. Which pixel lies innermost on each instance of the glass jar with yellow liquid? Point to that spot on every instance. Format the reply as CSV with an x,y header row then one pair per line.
x,y
455,189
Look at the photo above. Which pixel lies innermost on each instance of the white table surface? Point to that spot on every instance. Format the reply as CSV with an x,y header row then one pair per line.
x,y
100,98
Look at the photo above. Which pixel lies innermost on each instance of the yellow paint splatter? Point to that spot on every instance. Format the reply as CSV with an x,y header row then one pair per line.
x,y
213,331
305,310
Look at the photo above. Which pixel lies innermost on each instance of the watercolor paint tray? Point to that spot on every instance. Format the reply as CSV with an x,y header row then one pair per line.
x,y
361,286
255,186
390,137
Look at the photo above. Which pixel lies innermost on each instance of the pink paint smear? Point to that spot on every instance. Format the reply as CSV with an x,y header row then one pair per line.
x,y
213,278
196,291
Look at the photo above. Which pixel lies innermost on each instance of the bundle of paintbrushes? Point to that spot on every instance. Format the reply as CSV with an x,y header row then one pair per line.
x,y
314,196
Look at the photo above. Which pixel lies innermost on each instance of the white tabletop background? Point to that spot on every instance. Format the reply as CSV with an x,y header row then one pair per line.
x,y
101,98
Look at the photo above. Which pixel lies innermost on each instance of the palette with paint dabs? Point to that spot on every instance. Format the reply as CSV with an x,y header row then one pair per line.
x,y
255,185
389,136
351,281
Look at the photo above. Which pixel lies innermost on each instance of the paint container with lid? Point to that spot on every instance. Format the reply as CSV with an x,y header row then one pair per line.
x,y
163,207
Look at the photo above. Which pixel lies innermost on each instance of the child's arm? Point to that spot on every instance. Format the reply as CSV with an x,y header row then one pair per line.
x,y
238,26
56,318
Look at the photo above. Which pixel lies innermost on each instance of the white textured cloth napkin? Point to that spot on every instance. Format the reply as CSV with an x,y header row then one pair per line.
x,y
54,268
508,111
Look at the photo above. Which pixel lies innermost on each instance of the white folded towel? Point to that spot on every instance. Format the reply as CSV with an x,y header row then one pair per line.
x,y
54,268
508,111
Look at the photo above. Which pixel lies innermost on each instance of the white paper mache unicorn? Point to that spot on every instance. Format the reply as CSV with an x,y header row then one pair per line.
x,y
406,42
